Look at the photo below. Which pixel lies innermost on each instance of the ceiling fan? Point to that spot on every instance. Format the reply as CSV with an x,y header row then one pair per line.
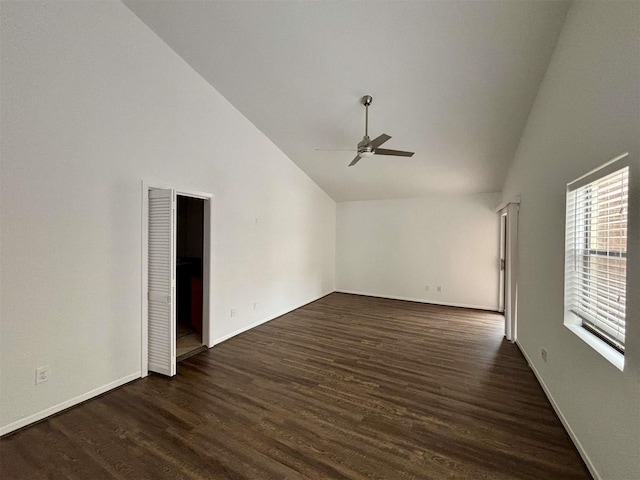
x,y
367,147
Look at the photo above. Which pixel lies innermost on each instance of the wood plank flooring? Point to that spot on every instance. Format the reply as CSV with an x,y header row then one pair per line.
x,y
347,387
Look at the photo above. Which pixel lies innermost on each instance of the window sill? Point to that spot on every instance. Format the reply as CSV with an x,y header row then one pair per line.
x,y
609,353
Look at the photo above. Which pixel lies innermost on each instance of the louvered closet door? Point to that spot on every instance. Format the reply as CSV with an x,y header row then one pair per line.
x,y
161,281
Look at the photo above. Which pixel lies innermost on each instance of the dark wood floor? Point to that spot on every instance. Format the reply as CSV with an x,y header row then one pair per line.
x,y
346,387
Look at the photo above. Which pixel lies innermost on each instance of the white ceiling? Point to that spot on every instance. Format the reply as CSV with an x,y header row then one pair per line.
x,y
452,80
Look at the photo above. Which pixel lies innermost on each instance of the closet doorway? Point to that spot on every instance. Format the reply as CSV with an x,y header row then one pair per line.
x,y
176,289
189,257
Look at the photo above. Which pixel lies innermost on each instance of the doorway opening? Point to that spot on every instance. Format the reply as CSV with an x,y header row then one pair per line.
x,y
189,274
176,280
508,269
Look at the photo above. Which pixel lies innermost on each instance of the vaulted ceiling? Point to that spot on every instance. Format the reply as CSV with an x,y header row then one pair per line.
x,y
453,81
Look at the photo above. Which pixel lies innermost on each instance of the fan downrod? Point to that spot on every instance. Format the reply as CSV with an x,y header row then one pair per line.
x,y
366,100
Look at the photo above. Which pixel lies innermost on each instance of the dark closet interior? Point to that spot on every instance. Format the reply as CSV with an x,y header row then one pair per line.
x,y
189,252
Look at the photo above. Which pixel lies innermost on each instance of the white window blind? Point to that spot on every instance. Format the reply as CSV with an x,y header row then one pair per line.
x,y
596,253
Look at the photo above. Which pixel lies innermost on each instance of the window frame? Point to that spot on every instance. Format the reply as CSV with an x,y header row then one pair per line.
x,y
574,320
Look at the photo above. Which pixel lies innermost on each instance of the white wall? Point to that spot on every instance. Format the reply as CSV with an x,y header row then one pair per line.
x,y
587,112
394,248
93,103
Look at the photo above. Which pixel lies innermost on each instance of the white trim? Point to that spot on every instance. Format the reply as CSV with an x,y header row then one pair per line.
x,y
144,246
110,386
505,204
422,300
511,211
599,172
502,273
265,320
67,404
609,353
587,290
208,259
585,457
179,191
207,266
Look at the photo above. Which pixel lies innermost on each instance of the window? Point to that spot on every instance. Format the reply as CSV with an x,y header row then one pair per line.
x,y
596,254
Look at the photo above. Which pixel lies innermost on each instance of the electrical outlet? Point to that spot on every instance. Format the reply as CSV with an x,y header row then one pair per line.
x,y
426,288
42,374
543,354
439,288
233,312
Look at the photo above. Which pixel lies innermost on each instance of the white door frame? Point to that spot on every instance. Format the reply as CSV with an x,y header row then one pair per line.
x,y
503,262
510,213
207,267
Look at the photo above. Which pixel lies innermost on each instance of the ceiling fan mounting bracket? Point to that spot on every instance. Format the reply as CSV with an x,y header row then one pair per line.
x,y
366,100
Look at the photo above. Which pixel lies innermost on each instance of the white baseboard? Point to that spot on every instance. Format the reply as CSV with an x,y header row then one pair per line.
x,y
110,386
264,320
105,388
567,427
493,308
23,422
